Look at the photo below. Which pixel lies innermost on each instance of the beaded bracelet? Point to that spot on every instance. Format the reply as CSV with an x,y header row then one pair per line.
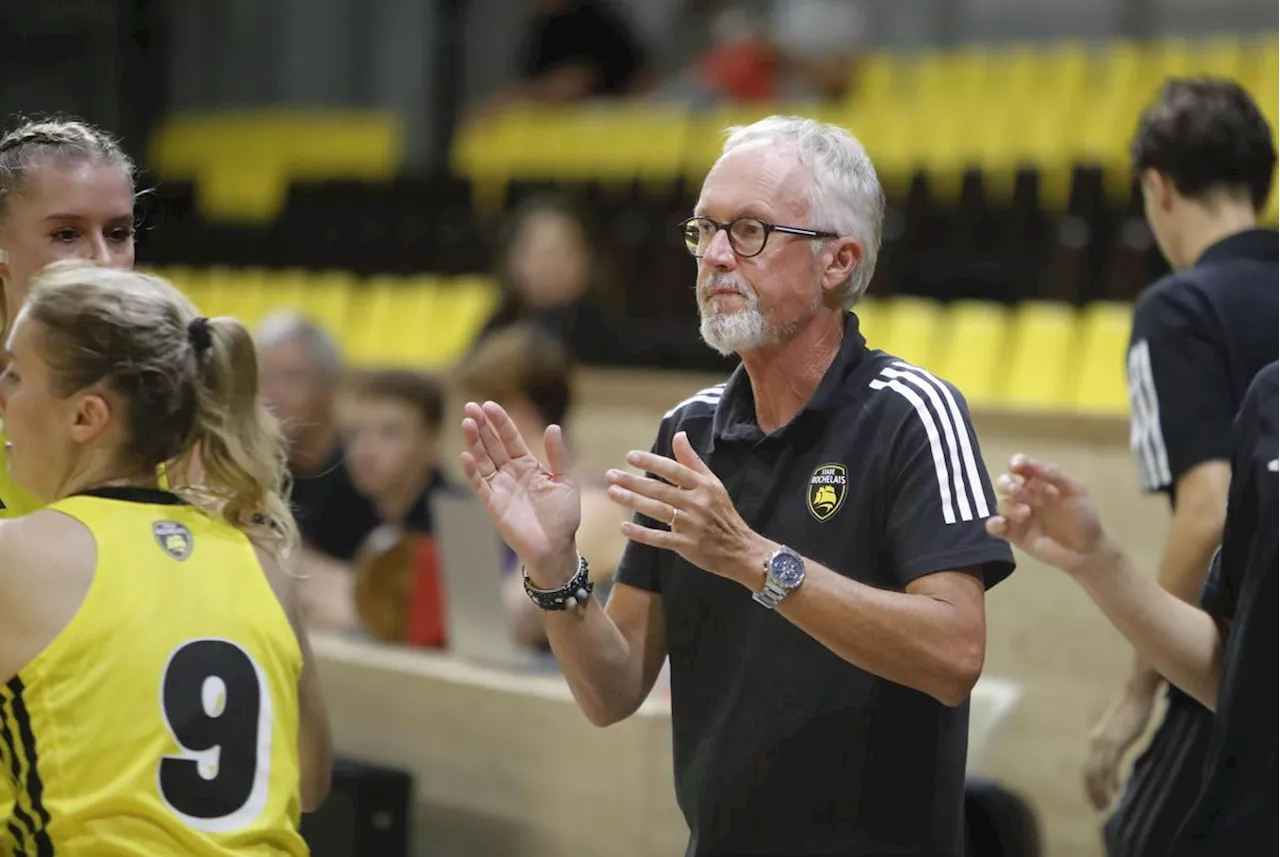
x,y
572,594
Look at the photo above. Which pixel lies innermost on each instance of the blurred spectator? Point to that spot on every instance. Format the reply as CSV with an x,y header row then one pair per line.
x,y
301,368
576,49
742,65
820,40
758,51
392,423
529,373
553,274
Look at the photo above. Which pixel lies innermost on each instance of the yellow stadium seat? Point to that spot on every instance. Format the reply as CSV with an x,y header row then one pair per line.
x,y
407,343
387,316
875,79
241,191
1098,380
286,291
355,332
1040,356
460,308
243,160
909,328
242,293
327,302
973,349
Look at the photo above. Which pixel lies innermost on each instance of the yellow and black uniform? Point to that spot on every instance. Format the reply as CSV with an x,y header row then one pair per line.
x,y
163,720
14,502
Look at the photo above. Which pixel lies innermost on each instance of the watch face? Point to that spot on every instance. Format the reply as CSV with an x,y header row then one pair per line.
x,y
787,569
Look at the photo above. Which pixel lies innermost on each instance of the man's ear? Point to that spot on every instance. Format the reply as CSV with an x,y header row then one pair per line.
x,y
1158,189
844,256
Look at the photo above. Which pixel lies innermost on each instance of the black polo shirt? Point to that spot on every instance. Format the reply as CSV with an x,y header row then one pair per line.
x,y
1199,337
1236,813
781,747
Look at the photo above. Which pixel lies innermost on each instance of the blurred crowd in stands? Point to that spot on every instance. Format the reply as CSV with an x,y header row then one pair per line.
x,y
367,445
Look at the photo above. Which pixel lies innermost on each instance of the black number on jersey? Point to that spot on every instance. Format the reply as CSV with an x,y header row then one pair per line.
x,y
219,711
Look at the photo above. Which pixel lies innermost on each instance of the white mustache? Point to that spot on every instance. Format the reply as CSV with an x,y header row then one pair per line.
x,y
721,283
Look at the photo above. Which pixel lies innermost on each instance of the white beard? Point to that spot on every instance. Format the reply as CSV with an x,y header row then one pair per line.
x,y
745,329
739,330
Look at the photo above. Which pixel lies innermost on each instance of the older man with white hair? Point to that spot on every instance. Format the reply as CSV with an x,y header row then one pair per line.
x,y
808,544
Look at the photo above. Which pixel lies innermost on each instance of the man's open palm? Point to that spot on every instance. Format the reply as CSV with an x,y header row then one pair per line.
x,y
537,510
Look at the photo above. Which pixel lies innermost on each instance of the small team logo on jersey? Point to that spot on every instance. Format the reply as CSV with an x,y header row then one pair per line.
x,y
174,539
827,487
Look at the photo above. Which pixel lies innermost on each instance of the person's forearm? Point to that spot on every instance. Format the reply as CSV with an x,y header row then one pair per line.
x,y
1180,641
912,639
604,671
1193,537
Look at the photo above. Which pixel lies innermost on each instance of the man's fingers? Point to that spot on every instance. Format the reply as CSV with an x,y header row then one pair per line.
x,y
664,539
669,469
471,470
655,509
492,447
1028,468
513,445
645,487
1012,510
471,435
557,452
686,455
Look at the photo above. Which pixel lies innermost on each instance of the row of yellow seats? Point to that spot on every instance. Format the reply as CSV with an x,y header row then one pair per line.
x,y
422,322
243,161
996,109
1037,356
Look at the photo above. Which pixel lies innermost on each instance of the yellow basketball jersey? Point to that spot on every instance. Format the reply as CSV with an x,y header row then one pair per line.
x,y
163,720
14,502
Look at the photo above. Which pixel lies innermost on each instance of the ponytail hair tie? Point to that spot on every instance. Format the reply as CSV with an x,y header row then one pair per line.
x,y
201,337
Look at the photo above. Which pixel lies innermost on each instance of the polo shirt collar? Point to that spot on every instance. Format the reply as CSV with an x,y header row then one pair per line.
x,y
735,417
1261,244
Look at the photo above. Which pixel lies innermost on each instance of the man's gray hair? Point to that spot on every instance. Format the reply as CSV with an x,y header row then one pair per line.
x,y
285,327
845,198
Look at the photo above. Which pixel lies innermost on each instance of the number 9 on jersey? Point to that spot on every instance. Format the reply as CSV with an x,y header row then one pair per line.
x,y
216,704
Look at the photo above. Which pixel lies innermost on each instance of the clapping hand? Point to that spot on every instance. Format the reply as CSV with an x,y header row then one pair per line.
x,y
537,510
703,526
1047,513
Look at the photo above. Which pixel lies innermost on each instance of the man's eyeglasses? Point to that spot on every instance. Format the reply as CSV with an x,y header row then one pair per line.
x,y
747,235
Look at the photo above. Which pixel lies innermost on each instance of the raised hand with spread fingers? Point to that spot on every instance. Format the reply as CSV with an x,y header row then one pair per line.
x,y
537,508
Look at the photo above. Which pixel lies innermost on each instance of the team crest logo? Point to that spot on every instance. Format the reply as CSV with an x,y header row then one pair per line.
x,y
174,539
827,488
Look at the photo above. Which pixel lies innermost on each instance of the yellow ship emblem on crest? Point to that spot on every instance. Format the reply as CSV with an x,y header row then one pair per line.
x,y
174,539
827,488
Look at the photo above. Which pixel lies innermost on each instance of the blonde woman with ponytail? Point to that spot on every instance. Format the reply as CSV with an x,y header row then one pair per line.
x,y
66,192
157,690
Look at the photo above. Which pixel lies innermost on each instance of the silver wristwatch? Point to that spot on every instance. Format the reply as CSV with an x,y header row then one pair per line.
x,y
784,572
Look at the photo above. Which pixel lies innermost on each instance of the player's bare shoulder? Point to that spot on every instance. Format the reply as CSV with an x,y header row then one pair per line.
x,y
43,541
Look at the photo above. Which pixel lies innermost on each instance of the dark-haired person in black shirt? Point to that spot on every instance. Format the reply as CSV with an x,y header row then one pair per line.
x,y
1205,159
1223,655
807,545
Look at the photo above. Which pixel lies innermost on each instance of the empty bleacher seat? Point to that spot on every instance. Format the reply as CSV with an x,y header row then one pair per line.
x,y
973,349
1041,356
1098,381
909,327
